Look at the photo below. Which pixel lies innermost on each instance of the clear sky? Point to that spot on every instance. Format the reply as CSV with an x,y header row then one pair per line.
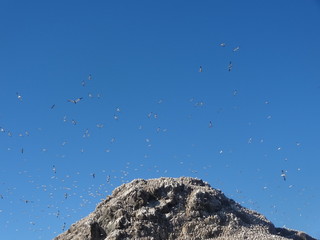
x,y
145,110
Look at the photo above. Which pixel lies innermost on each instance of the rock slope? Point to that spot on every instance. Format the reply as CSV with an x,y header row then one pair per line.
x,y
174,208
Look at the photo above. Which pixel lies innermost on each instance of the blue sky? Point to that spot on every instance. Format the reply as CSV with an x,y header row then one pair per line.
x,y
146,110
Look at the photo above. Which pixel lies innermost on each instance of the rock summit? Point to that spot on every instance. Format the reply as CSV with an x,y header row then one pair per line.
x,y
174,208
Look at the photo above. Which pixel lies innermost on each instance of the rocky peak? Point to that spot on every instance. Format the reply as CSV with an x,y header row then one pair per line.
x,y
174,208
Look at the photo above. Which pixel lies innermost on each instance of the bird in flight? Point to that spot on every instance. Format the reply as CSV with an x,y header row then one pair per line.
x,y
75,100
53,106
222,44
235,92
230,66
63,227
236,49
200,69
283,174
19,96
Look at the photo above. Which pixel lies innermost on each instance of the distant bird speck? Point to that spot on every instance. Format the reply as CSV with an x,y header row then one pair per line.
x,y
52,106
63,227
230,66
200,69
75,100
19,96
283,174
235,92
222,44
236,49
86,133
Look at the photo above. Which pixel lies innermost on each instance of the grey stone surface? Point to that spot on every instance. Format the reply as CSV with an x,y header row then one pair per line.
x,y
174,208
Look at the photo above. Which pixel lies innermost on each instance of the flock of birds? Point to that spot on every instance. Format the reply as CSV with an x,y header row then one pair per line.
x,y
94,191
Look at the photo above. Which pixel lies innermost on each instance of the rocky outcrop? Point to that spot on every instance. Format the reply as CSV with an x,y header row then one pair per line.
x,y
174,208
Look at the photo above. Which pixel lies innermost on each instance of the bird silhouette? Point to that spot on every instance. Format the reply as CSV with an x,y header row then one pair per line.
x,y
75,100
283,174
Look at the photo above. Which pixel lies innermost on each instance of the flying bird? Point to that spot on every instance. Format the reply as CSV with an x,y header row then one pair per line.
x,y
200,69
230,66
53,106
90,77
63,227
19,96
236,49
210,124
75,100
222,44
235,92
283,174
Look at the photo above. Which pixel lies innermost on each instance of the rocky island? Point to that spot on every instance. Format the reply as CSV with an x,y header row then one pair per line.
x,y
174,208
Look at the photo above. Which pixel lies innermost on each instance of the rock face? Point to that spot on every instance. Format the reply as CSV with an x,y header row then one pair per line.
x,y
174,208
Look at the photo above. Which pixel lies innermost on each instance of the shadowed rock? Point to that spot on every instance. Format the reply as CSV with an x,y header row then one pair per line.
x,y
174,208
